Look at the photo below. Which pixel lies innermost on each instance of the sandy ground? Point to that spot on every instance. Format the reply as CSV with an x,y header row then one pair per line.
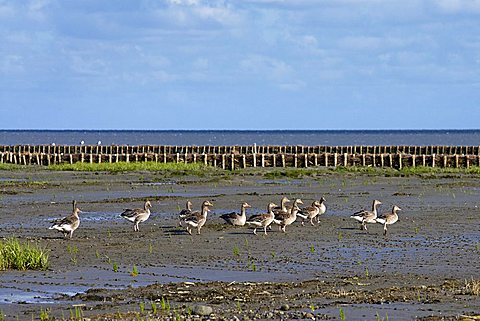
x,y
421,270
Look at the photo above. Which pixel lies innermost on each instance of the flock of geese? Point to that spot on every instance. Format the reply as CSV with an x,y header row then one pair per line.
x,y
282,215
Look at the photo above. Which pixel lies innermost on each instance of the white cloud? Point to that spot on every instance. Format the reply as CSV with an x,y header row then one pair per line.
x,y
458,6
12,64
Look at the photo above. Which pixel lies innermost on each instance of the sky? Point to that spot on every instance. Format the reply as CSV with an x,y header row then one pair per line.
x,y
245,64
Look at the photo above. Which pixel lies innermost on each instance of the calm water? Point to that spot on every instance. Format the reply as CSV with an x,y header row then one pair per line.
x,y
208,137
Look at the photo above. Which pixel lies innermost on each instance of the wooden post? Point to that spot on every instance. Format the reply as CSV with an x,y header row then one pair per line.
x,y
90,158
215,160
223,161
178,158
244,161
263,160
363,160
414,160
433,160
295,160
345,159
255,157
306,160
382,160
423,160
205,159
232,165
283,160
274,161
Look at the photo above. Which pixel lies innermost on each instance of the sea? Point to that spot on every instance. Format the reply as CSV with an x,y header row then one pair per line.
x,y
242,137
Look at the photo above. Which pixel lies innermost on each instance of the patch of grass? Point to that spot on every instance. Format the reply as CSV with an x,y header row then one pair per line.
x,y
73,250
342,315
290,173
165,305
134,272
44,316
29,184
236,250
22,255
174,168
11,167
154,307
425,171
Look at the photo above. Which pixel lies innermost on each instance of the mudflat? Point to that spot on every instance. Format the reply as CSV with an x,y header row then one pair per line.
x,y
425,268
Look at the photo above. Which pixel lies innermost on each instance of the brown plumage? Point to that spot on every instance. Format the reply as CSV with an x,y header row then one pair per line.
x,y
69,224
197,219
137,215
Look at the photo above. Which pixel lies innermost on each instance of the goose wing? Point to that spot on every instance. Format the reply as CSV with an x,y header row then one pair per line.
x,y
229,216
131,213
184,213
193,217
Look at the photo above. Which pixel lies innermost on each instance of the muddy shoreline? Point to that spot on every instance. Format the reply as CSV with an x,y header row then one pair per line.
x,y
419,271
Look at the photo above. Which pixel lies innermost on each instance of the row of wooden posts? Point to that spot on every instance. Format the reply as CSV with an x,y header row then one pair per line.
x,y
253,149
242,156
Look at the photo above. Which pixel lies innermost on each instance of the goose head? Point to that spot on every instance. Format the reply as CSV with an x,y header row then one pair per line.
x,y
271,206
147,205
396,209
245,205
206,204
284,200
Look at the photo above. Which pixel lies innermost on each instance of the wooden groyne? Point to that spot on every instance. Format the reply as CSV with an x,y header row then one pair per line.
x,y
234,157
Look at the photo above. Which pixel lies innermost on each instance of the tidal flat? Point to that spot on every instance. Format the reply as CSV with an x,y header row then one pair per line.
x,y
425,268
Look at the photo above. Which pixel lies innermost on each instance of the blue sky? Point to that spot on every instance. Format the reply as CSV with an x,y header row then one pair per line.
x,y
249,64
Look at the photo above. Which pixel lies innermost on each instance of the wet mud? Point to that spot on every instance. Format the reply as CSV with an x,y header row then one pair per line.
x,y
424,269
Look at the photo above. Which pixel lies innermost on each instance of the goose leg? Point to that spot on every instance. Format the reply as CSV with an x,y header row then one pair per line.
x,y
265,230
311,222
255,231
385,229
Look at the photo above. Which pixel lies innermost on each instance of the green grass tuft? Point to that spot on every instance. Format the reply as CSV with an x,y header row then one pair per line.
x,y
22,255
179,168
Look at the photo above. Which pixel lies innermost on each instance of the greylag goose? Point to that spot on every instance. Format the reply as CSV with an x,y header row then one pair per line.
x,y
283,206
365,216
67,224
262,220
309,212
235,218
285,219
388,218
137,215
197,219
323,208
185,212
